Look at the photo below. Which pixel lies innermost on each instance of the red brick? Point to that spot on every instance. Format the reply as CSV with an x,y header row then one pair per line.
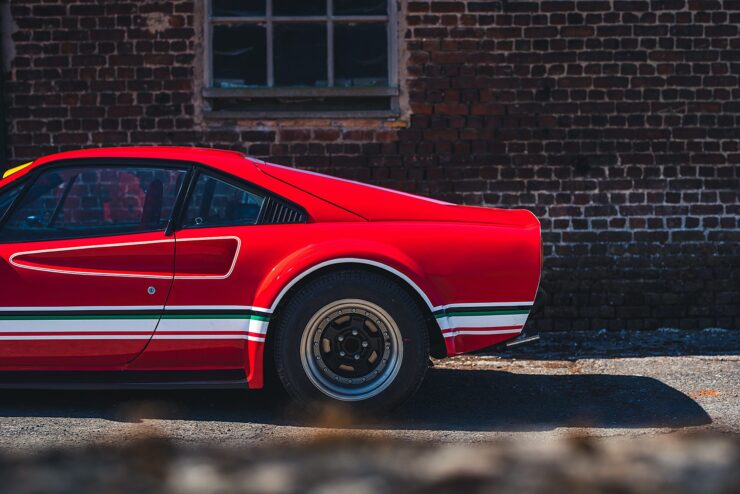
x,y
615,122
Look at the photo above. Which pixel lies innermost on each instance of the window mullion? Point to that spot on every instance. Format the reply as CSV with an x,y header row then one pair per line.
x,y
392,49
330,43
270,52
208,45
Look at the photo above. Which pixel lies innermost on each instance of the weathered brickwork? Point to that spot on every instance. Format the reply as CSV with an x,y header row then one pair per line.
x,y
616,122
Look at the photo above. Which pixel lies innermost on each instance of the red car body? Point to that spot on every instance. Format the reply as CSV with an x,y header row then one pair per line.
x,y
202,299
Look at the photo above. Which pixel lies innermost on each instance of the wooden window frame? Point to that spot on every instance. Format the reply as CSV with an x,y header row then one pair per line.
x,y
391,91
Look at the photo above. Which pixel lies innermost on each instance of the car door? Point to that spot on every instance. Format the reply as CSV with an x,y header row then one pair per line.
x,y
206,322
85,265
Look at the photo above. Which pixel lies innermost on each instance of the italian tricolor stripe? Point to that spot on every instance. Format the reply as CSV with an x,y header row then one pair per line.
x,y
220,322
481,319
133,323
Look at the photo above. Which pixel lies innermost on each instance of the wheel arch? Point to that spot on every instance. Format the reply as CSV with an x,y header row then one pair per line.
x,y
436,340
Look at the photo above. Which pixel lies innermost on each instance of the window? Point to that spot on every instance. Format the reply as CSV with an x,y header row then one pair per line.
x,y
214,202
94,201
296,57
7,196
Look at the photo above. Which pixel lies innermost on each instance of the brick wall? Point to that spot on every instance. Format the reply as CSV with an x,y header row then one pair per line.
x,y
616,122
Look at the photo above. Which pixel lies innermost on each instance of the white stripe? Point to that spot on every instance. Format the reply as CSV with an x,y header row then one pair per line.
x,y
12,261
20,265
493,321
130,337
221,277
481,304
206,325
218,307
482,333
132,325
144,326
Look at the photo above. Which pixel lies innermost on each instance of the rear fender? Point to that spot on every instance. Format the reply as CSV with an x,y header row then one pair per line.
x,y
291,270
312,258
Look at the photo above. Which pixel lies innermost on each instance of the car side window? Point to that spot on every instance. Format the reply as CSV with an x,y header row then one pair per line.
x,y
7,196
87,201
215,202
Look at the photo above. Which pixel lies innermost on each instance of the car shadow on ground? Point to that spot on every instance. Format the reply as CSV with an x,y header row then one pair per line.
x,y
454,400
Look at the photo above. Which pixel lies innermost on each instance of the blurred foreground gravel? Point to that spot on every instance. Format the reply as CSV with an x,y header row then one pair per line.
x,y
703,463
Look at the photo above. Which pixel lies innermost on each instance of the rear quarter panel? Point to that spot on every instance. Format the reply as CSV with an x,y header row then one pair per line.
x,y
456,264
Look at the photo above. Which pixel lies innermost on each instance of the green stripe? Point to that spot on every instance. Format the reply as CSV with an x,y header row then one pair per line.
x,y
215,316
482,313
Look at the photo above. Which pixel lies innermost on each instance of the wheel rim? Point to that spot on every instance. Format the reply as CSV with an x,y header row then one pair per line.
x,y
351,350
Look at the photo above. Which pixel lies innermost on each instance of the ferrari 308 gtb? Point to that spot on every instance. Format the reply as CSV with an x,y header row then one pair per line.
x,y
168,267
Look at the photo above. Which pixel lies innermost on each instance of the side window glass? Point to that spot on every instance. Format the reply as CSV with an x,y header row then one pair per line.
x,y
94,201
7,196
214,202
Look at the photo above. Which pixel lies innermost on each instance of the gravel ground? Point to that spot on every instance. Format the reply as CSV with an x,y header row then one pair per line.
x,y
558,389
696,464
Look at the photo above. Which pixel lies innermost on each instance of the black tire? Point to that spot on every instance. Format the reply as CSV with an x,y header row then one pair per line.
x,y
382,295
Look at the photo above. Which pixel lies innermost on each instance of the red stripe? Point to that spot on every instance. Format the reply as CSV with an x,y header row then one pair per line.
x,y
125,333
454,330
201,333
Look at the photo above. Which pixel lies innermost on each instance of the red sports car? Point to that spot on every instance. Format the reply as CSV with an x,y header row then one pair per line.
x,y
157,266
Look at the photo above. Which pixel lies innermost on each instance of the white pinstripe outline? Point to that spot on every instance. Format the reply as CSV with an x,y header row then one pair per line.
x,y
15,263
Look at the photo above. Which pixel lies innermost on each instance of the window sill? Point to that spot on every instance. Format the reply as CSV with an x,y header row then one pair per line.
x,y
300,92
275,115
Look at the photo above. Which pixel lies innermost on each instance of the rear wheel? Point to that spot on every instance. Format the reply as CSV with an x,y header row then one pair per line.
x,y
352,337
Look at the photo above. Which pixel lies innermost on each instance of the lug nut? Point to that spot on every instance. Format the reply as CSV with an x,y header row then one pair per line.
x,y
342,354
364,344
354,332
341,338
357,357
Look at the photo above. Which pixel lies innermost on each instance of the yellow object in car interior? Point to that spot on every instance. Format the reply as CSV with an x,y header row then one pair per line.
x,y
16,169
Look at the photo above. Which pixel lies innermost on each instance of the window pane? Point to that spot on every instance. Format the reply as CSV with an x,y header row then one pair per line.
x,y
86,201
239,56
217,203
360,7
300,55
7,196
360,55
238,8
299,7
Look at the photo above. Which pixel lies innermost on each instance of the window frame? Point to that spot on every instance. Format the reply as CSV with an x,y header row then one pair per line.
x,y
192,169
268,196
32,177
391,91
22,185
228,179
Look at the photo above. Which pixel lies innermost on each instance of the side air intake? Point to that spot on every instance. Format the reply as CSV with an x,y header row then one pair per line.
x,y
278,212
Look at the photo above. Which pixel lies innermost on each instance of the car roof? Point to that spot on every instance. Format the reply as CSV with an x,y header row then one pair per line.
x,y
229,162
159,152
176,153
